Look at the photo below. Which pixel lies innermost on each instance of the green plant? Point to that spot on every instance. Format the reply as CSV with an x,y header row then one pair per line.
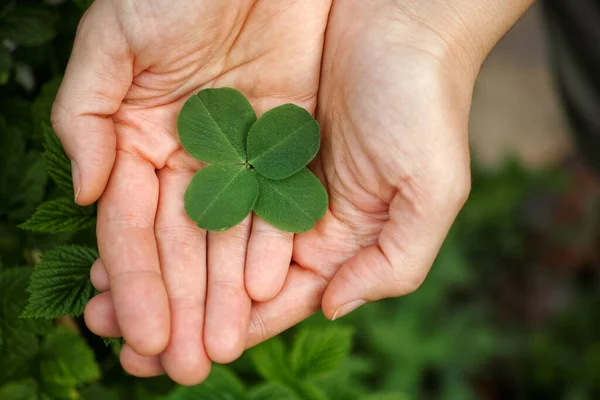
x,y
256,164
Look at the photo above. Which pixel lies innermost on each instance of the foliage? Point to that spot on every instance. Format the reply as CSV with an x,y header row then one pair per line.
x,y
452,339
253,159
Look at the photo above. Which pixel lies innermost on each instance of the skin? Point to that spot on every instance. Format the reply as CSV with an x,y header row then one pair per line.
x,y
390,83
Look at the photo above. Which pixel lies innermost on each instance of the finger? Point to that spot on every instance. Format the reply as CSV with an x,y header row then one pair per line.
x,y
268,260
299,298
399,262
98,276
140,366
97,79
227,303
127,245
100,317
182,250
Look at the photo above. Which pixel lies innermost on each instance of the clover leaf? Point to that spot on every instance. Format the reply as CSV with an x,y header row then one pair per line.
x,y
283,141
257,164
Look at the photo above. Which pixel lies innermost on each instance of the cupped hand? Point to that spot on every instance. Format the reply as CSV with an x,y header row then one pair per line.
x,y
165,281
393,106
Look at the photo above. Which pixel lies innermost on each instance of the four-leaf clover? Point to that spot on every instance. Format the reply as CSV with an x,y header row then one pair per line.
x,y
256,165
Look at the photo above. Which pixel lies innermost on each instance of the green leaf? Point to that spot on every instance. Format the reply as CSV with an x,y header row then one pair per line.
x,y
66,364
319,351
31,187
221,196
58,164
283,141
294,204
271,361
60,283
273,391
28,24
21,390
213,125
221,384
5,64
60,215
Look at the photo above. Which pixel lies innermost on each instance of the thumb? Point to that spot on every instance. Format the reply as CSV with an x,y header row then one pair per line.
x,y
98,76
401,259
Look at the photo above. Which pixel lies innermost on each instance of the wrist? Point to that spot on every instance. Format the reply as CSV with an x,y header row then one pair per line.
x,y
463,32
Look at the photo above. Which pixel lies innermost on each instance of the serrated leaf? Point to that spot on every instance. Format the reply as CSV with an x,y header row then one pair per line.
x,y
273,391
31,187
60,215
58,164
66,364
320,351
28,24
213,125
283,141
221,196
60,283
221,384
21,390
294,204
271,361
5,64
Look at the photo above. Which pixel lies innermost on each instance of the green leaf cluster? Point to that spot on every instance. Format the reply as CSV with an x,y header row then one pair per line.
x,y
256,164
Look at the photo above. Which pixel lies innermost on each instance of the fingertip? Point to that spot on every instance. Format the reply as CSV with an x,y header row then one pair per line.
x,y
263,288
268,260
99,316
189,370
224,346
138,365
99,277
93,166
142,310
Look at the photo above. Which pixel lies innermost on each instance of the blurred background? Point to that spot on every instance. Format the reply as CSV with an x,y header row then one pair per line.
x,y
511,308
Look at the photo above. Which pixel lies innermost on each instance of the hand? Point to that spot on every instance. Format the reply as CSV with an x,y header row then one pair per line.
x,y
133,65
393,106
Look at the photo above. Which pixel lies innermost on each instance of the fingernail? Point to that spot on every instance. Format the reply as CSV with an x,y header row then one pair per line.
x,y
76,179
347,308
